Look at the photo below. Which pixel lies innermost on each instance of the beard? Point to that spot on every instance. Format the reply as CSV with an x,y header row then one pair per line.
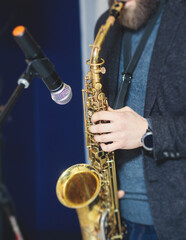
x,y
134,18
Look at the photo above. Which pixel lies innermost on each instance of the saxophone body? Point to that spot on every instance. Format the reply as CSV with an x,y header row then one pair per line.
x,y
92,189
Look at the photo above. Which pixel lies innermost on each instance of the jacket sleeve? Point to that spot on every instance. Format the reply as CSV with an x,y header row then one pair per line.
x,y
169,137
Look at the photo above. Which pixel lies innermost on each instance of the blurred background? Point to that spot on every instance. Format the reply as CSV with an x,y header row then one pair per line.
x,y
40,138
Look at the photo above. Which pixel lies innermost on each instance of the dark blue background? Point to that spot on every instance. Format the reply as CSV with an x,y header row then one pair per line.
x,y
41,138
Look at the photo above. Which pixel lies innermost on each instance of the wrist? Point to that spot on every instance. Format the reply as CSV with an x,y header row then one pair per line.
x,y
143,130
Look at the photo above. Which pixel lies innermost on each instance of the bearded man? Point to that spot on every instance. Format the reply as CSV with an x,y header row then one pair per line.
x,y
147,132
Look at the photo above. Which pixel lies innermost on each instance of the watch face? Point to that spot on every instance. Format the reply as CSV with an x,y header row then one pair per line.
x,y
148,141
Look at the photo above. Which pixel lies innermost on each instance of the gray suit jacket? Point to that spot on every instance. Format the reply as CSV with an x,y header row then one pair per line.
x,y
165,170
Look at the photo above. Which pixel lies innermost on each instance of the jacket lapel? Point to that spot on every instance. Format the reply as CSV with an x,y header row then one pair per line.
x,y
167,30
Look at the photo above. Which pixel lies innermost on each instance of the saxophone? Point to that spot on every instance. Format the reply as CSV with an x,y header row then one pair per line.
x,y
92,189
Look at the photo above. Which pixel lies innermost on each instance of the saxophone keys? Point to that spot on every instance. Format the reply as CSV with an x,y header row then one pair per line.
x,y
98,86
101,96
103,70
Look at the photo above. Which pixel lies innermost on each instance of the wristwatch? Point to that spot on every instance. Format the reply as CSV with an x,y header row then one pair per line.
x,y
147,140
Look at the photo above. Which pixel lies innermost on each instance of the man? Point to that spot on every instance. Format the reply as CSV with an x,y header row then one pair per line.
x,y
153,177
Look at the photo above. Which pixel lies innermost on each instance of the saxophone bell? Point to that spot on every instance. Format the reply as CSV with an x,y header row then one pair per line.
x,y
78,186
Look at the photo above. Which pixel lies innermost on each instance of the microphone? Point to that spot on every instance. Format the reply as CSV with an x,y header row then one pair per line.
x,y
60,92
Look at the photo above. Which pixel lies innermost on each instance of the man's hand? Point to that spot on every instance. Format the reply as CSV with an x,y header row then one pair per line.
x,y
123,129
121,194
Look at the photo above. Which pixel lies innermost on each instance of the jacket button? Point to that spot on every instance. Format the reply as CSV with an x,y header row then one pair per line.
x,y
166,154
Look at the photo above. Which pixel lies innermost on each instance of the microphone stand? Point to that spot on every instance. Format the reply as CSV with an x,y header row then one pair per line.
x,y
5,202
7,206
23,82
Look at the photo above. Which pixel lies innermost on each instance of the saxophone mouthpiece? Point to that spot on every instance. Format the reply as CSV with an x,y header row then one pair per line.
x,y
116,8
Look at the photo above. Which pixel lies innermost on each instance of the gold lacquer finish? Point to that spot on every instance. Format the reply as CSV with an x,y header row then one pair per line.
x,y
78,186
92,189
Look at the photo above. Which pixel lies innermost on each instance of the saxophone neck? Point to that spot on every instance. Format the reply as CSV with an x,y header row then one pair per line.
x,y
96,47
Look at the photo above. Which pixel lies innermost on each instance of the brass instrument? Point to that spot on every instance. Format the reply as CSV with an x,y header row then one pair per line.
x,y
92,189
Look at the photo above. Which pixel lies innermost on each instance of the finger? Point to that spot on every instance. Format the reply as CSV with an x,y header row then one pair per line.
x,y
101,128
121,194
102,116
110,147
110,109
105,138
